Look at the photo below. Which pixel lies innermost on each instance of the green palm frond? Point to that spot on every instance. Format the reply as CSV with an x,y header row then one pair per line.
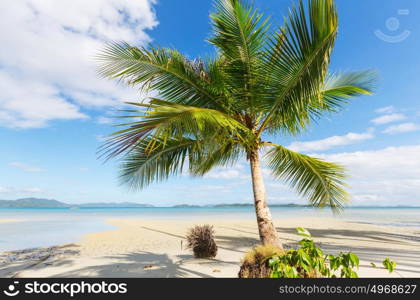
x,y
155,160
240,34
297,63
225,153
319,181
239,30
340,88
145,164
163,70
162,120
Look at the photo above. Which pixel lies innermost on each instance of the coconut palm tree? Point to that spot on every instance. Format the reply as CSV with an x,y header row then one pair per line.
x,y
260,85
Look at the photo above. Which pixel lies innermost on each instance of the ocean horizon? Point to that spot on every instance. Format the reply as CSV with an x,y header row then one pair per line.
x,y
45,227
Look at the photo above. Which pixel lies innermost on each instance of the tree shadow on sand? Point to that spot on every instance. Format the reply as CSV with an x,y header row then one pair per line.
x,y
22,260
357,235
230,243
141,264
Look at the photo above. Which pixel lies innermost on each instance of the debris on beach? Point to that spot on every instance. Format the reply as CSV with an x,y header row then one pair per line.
x,y
37,255
200,239
148,267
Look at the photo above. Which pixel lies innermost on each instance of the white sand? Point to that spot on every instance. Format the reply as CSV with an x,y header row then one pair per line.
x,y
9,220
153,248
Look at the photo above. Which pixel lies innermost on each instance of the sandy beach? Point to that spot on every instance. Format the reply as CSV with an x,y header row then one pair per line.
x,y
156,248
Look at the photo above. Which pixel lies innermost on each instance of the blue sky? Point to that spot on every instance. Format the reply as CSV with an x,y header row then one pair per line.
x,y
54,110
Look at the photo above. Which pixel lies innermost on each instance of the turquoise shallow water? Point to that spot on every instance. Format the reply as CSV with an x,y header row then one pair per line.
x,y
48,227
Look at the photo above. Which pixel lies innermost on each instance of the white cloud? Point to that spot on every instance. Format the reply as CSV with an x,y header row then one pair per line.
x,y
334,141
236,172
400,128
384,177
224,174
47,71
25,167
389,176
32,190
388,119
211,188
100,138
25,103
385,110
24,190
4,190
278,186
104,120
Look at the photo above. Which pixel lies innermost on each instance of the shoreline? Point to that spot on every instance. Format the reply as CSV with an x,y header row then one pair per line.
x,y
155,248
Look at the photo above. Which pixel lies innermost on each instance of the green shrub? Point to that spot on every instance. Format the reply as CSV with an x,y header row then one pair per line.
x,y
310,261
389,265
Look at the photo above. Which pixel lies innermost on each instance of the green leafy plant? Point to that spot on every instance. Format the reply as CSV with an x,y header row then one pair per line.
x,y
389,265
310,261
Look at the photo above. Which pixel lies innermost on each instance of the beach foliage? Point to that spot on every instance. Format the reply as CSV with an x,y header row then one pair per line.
x,y
262,84
200,239
310,261
389,264
254,264
307,261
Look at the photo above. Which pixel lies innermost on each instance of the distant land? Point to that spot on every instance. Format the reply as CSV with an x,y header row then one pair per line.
x,y
238,205
51,203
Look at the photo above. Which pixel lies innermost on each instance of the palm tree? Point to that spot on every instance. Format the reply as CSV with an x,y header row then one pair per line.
x,y
208,113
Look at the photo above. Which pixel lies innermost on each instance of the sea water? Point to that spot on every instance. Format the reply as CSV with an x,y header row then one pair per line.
x,y
44,227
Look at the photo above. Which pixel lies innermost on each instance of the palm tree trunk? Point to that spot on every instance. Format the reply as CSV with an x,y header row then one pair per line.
x,y
267,231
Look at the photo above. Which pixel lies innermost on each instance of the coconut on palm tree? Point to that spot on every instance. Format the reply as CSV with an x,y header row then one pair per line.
x,y
261,84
